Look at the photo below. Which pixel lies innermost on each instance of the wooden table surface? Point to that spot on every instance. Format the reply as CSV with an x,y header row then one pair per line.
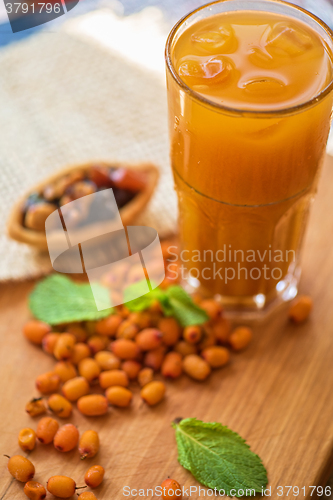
x,y
278,394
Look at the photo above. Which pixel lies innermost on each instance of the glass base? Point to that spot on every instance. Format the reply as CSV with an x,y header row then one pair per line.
x,y
256,307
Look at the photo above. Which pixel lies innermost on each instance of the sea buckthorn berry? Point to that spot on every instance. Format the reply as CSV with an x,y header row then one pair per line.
x,y
93,405
108,326
97,343
300,309
21,468
216,356
66,370
80,352
145,376
153,392
94,476
87,495
155,308
149,339
131,368
35,331
89,444
240,338
78,331
192,334
61,486
141,318
208,339
27,439
107,360
66,438
184,348
172,365
60,406
196,367
64,347
123,311
75,388
213,308
171,490
49,341
46,430
35,407
125,349
34,490
118,396
171,331
154,359
113,377
222,329
89,369
116,296
90,326
47,382
127,330
155,318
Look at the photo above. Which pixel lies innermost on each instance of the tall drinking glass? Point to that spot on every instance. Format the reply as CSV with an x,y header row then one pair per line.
x,y
250,100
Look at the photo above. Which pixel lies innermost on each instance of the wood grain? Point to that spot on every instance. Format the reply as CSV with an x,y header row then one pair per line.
x,y
277,394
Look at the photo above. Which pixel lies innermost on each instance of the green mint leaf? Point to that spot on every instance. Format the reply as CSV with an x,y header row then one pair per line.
x,y
166,306
145,300
219,458
57,299
174,302
183,308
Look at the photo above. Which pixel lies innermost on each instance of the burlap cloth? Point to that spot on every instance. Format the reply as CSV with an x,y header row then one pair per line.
x,y
66,98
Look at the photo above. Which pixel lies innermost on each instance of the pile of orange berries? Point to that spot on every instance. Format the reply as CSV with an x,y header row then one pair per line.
x,y
96,361
125,347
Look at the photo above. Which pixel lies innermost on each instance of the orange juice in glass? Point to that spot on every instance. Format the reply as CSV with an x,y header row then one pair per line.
x,y
250,100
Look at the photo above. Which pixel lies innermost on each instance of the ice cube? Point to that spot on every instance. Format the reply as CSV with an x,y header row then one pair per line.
x,y
203,71
288,40
222,40
258,56
263,87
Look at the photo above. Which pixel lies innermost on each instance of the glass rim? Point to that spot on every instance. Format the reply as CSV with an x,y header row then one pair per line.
x,y
267,112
